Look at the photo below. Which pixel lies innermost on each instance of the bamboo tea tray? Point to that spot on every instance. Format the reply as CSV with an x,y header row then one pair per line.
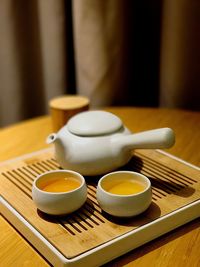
x,y
89,237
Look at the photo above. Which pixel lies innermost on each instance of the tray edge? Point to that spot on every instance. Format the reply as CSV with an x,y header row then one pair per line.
x,y
111,249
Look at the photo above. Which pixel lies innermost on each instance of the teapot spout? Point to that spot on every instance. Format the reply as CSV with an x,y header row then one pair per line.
x,y
51,138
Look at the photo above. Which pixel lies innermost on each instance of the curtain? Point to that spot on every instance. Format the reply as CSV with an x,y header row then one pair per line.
x,y
116,52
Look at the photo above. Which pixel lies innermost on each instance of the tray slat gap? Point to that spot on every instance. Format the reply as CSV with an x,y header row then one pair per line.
x,y
54,162
68,229
31,178
171,184
18,184
158,192
38,166
87,217
161,166
77,218
158,184
19,181
50,166
95,212
168,176
30,171
70,220
22,178
163,176
32,167
43,166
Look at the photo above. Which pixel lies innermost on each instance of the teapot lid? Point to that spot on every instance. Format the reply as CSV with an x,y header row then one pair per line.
x,y
93,123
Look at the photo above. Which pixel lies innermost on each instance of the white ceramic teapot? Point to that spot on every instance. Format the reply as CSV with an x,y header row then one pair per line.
x,y
97,142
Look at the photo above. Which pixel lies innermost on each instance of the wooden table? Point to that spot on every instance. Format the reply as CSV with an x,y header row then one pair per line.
x,y
177,248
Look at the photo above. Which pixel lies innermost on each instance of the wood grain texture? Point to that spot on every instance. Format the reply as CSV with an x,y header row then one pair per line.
x,y
172,189
14,250
181,247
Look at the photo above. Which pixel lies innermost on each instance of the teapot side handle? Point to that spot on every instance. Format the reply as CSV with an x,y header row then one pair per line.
x,y
153,139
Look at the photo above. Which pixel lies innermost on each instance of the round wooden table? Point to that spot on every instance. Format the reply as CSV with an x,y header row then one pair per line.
x,y
177,248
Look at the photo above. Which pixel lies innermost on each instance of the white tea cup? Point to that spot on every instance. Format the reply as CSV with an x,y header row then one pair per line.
x,y
124,193
63,202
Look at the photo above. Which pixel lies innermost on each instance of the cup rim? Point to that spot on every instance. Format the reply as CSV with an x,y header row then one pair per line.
x,y
40,176
121,195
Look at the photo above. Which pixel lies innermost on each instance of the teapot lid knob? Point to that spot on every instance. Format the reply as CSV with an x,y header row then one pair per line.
x,y
94,123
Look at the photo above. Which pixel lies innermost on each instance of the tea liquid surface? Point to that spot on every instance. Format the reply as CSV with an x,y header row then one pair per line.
x,y
126,188
62,185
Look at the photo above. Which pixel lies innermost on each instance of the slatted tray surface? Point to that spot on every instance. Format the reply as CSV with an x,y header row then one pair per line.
x,y
174,185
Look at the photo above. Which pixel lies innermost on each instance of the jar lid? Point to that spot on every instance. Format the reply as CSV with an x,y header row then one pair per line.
x,y
94,123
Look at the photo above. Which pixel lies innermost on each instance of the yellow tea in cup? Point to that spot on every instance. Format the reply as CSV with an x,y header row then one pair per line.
x,y
124,193
63,184
125,187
